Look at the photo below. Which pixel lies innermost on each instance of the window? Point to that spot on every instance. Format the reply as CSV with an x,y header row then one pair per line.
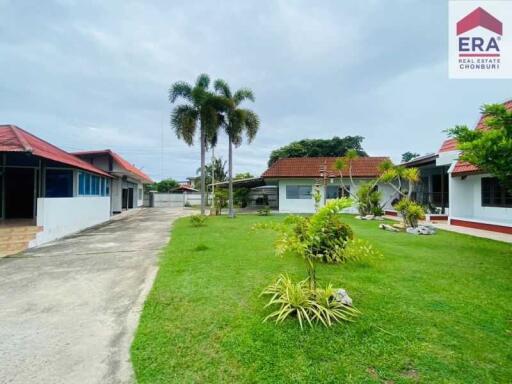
x,y
336,192
59,183
92,185
298,191
494,194
81,183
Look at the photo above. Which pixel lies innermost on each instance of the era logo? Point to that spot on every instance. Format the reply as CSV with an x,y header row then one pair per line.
x,y
479,44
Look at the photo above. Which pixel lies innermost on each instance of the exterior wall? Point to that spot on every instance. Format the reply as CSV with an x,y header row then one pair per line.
x,y
60,217
139,195
296,205
116,195
308,205
466,202
163,200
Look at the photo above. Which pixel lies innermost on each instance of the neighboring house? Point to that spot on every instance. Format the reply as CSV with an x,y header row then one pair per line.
x,y
128,181
183,188
296,179
42,185
475,198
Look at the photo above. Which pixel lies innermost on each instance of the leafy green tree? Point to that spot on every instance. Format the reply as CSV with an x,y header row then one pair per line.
x,y
202,108
407,156
490,149
319,148
243,175
166,185
218,168
239,121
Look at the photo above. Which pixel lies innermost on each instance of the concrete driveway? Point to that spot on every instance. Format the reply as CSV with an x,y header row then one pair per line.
x,y
68,310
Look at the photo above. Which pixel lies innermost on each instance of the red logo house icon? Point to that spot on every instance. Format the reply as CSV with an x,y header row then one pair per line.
x,y
479,46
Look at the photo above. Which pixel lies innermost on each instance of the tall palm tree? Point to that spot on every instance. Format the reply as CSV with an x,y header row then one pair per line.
x,y
238,121
203,108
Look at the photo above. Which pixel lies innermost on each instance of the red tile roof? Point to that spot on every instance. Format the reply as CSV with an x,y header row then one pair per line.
x,y
448,145
311,167
463,167
121,161
15,139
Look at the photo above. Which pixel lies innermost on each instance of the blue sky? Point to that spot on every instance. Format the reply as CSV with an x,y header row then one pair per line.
x,y
95,74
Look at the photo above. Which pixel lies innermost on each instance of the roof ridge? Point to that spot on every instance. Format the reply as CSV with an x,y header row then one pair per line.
x,y
15,130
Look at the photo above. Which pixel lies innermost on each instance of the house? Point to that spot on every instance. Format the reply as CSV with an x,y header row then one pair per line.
x,y
45,192
470,197
296,179
127,180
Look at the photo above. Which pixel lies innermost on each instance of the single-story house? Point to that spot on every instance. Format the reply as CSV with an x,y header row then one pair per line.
x,y
296,179
127,180
47,193
469,196
43,186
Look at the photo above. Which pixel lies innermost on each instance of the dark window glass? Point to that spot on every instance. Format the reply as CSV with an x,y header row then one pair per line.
x,y
59,183
494,194
87,184
298,191
332,192
81,183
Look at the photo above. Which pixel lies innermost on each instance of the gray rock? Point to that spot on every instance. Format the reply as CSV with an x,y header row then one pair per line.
x,y
387,227
342,296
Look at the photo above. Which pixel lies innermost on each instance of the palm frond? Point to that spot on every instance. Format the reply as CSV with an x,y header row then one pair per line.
x,y
222,87
184,121
243,94
180,89
203,81
251,123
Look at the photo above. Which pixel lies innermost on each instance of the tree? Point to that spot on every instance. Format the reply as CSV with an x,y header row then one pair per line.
x,y
367,198
239,121
490,148
243,175
407,156
202,108
318,148
216,168
166,185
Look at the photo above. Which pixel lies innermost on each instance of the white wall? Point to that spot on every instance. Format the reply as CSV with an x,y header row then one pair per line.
x,y
466,202
308,205
63,216
116,192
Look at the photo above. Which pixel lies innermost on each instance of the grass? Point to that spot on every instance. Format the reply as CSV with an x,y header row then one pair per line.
x,y
435,310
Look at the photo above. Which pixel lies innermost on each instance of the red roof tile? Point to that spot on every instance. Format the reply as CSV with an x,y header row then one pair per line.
x,y
448,145
312,166
15,139
463,167
121,161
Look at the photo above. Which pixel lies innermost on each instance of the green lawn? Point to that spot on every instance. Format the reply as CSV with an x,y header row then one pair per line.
x,y
434,310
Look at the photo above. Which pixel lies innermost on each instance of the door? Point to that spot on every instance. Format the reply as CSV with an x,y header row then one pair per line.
x,y
19,193
130,198
125,198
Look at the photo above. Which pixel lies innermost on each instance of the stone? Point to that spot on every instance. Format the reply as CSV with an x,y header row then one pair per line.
x,y
380,218
387,227
369,217
412,231
342,296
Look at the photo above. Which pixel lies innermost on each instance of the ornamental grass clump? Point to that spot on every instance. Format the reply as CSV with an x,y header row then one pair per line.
x,y
311,306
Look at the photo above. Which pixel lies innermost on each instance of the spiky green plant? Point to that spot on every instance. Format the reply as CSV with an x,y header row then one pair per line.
x,y
309,306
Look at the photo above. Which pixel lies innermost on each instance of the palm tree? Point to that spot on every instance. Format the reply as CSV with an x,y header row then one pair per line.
x,y
204,108
238,121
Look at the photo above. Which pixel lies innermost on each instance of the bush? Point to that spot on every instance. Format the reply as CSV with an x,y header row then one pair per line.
x,y
241,197
368,200
410,211
265,211
198,220
308,305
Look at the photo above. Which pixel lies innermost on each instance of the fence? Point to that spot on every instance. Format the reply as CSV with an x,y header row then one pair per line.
x,y
174,200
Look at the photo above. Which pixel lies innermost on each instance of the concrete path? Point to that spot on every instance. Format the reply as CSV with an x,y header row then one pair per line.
x,y
68,310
